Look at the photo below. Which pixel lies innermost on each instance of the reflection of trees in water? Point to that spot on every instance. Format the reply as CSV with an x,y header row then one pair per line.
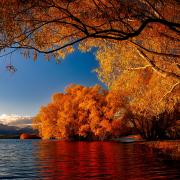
x,y
73,160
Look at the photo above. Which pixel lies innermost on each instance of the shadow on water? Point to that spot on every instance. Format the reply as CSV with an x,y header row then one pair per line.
x,y
37,159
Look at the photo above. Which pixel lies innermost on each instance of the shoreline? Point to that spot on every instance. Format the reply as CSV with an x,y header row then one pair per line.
x,y
168,149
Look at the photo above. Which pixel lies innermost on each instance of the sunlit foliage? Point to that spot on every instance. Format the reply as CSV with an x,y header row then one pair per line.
x,y
80,112
131,76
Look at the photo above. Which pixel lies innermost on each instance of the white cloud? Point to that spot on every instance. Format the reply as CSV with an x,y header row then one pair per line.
x,y
15,120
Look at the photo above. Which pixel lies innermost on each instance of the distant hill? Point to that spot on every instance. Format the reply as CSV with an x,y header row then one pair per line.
x,y
13,130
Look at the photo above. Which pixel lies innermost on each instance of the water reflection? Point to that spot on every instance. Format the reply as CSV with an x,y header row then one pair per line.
x,y
100,160
53,160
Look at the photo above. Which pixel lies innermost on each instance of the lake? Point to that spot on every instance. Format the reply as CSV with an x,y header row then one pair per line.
x,y
38,159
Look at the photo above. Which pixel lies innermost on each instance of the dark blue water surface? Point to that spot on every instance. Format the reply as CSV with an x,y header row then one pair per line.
x,y
38,159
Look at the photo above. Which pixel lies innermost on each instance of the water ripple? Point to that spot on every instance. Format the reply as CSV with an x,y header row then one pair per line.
x,y
37,159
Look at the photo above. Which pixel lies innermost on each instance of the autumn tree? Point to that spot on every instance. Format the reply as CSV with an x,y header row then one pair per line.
x,y
80,112
149,97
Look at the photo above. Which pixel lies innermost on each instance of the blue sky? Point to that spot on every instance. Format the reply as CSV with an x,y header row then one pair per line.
x,y
23,92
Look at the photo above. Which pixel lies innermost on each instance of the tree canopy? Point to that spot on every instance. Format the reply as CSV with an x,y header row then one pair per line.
x,y
86,112
149,27
92,113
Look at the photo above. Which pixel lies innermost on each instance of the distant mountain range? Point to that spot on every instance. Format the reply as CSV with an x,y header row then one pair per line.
x,y
14,130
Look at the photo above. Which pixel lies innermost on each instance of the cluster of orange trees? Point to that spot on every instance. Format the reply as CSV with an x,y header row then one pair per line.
x,y
81,113
92,113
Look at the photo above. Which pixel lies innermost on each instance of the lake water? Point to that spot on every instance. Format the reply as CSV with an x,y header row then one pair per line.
x,y
37,159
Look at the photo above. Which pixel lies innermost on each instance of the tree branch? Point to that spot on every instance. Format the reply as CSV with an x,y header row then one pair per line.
x,y
170,91
157,69
155,52
51,51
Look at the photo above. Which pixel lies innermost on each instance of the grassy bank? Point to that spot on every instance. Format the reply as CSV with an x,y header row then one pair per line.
x,y
169,149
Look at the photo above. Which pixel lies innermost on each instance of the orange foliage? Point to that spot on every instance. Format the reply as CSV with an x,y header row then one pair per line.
x,y
86,112
53,26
